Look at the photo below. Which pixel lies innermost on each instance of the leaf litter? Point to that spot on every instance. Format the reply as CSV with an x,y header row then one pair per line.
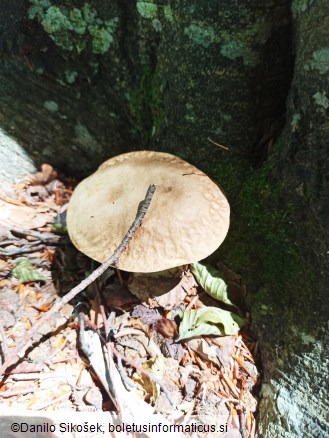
x,y
172,353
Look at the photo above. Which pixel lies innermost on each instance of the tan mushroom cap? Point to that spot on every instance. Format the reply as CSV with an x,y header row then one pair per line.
x,y
187,220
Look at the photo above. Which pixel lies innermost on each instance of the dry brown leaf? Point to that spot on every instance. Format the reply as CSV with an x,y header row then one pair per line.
x,y
66,311
119,296
170,379
44,308
46,175
226,346
173,298
146,287
24,216
204,350
166,327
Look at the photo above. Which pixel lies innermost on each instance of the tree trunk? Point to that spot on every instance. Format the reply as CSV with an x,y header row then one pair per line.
x,y
81,84
294,345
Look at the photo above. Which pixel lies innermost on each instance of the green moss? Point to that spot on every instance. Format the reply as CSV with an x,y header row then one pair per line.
x,y
72,29
190,115
146,107
200,34
261,241
157,110
147,9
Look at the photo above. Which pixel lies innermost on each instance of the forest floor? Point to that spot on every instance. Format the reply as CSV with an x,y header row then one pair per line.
x,y
129,321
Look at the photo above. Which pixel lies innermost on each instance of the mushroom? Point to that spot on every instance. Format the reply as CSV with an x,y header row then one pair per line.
x,y
187,220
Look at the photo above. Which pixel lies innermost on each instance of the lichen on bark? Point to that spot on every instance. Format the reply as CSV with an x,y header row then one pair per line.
x,y
72,28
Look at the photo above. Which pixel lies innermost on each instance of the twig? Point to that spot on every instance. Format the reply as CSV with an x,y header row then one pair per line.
x,y
219,145
132,230
44,237
230,384
243,366
125,379
149,375
88,351
22,250
112,260
13,241
101,299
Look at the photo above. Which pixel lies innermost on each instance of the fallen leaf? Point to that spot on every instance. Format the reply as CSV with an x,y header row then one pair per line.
x,y
44,307
209,279
46,175
226,347
24,216
145,287
118,295
208,321
155,367
173,298
166,327
204,350
24,271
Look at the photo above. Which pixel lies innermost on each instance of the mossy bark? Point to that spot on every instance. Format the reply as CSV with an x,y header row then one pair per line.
x,y
89,81
80,82
295,395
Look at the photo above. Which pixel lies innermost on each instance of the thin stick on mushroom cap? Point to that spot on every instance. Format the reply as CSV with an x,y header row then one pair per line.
x,y
187,220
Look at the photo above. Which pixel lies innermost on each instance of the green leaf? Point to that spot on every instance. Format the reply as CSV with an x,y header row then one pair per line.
x,y
155,366
208,278
24,271
208,321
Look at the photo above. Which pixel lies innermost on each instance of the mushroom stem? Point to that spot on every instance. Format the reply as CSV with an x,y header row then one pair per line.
x,y
26,342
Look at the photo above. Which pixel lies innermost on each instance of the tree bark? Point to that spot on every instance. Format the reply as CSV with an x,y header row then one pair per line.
x,y
295,393
82,83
